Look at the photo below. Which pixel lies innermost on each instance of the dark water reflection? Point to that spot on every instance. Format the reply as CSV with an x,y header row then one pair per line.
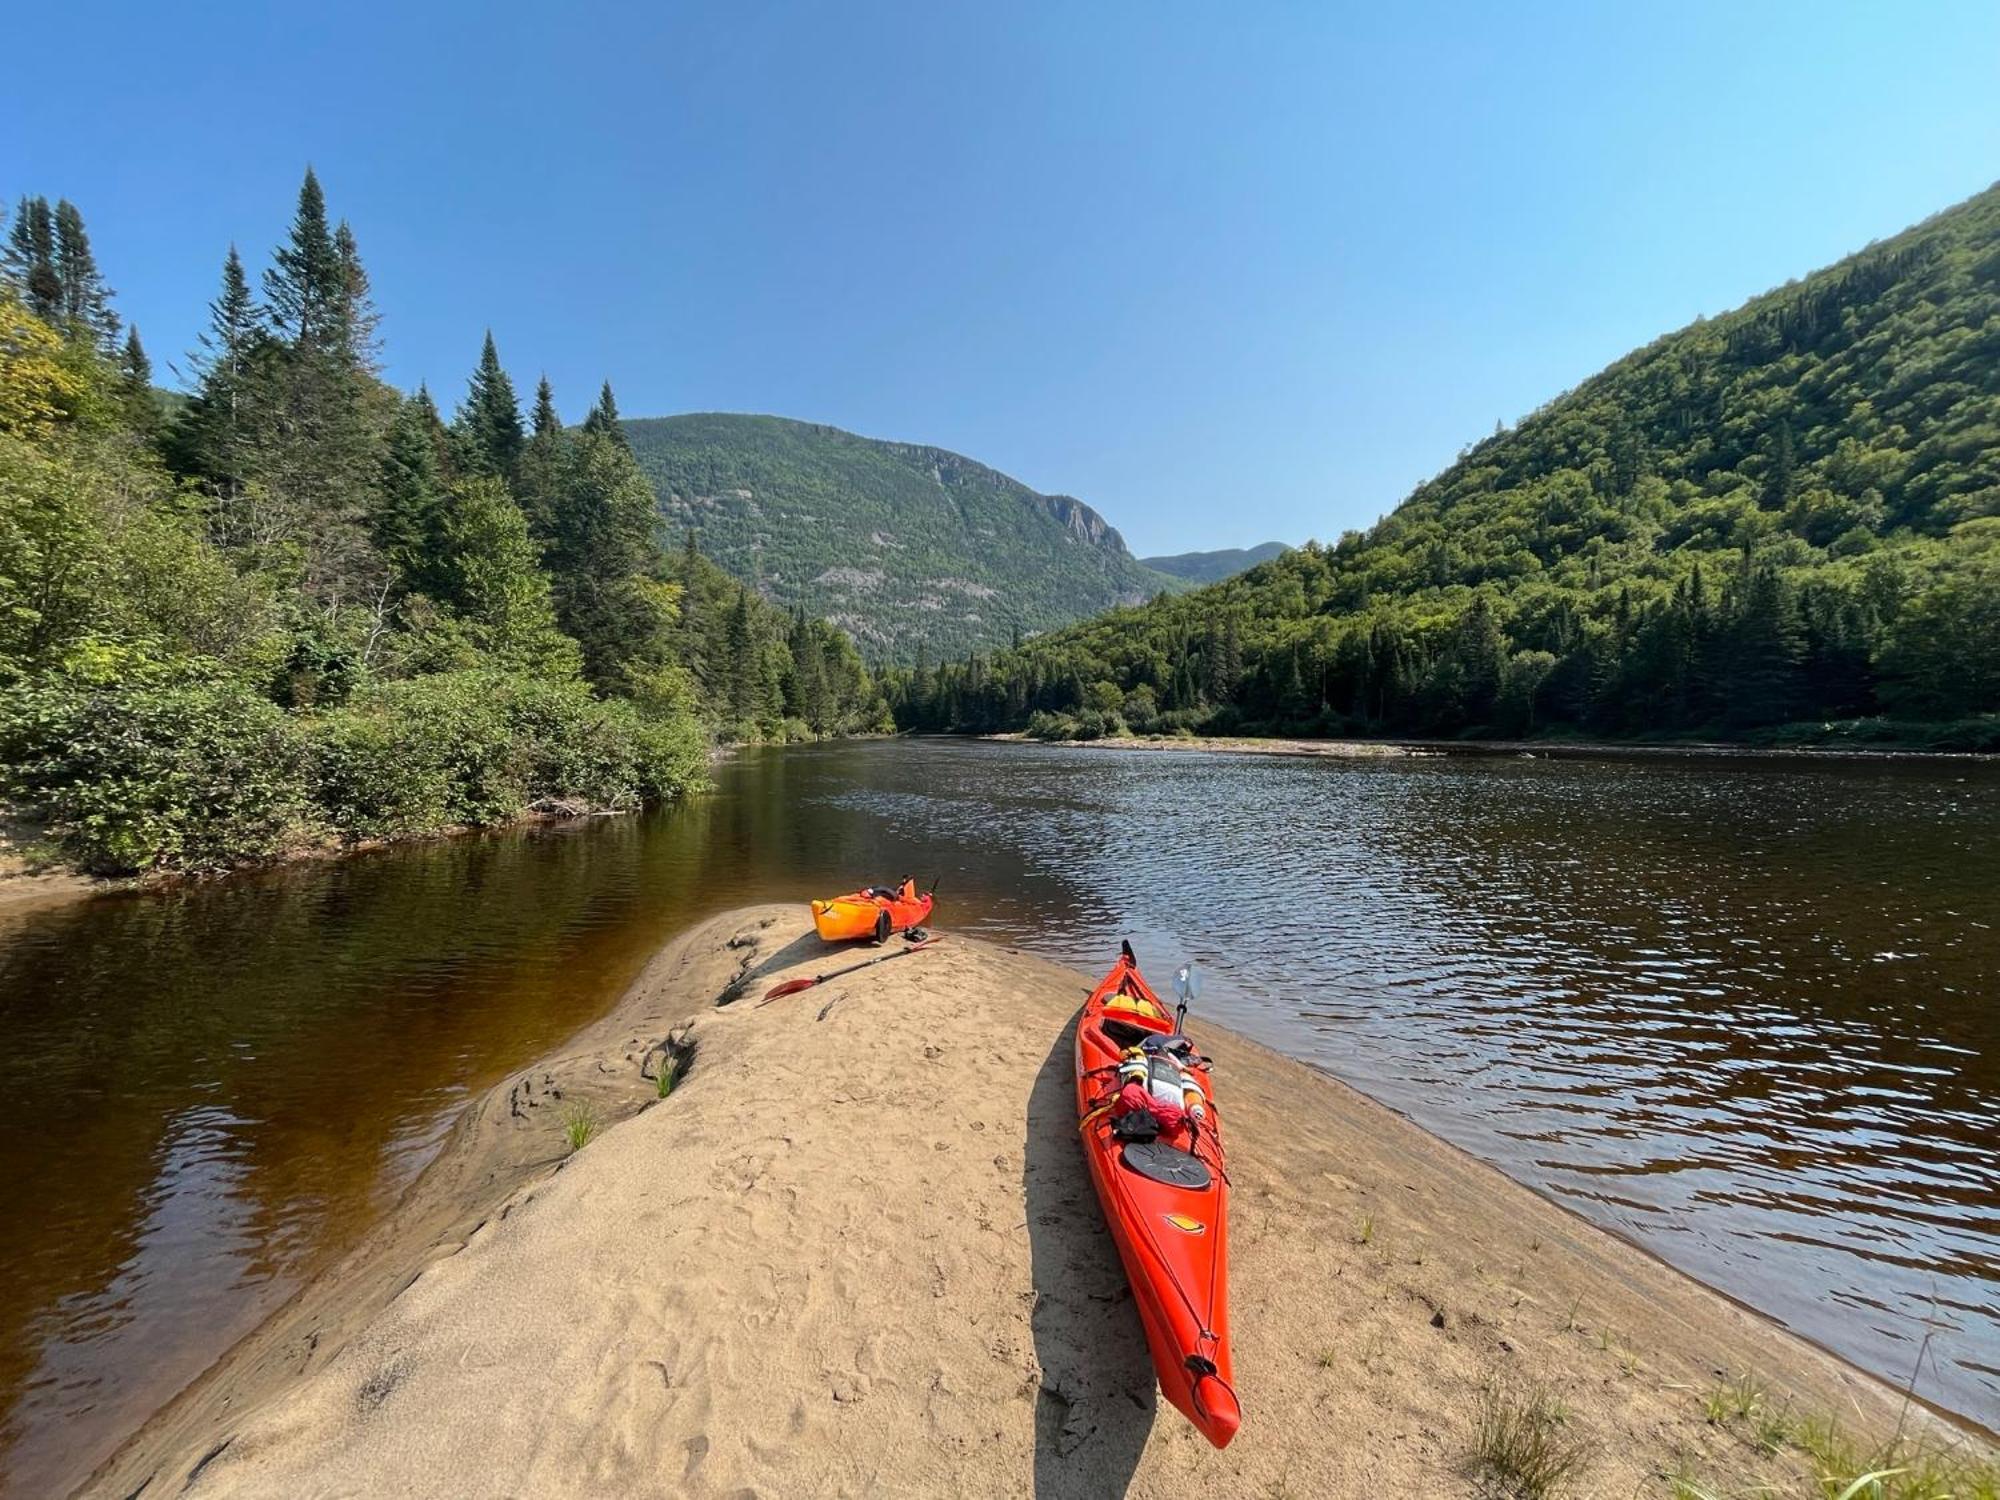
x,y
1746,1012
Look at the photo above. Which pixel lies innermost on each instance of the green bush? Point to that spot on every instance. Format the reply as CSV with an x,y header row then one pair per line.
x,y
404,758
474,748
202,775
196,775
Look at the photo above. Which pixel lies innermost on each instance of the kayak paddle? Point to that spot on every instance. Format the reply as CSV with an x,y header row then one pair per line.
x,y
793,986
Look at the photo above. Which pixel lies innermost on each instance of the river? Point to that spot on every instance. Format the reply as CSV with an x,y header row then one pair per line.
x,y
1745,1012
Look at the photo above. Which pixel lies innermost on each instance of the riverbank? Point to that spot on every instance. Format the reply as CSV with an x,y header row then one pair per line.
x,y
861,1254
45,880
1535,749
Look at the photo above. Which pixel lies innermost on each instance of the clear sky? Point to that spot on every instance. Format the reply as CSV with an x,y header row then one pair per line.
x,y
1227,272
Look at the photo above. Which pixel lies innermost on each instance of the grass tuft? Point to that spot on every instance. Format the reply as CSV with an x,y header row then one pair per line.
x,y
1733,1400
580,1125
1523,1442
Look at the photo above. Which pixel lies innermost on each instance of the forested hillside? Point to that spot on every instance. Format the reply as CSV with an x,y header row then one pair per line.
x,y
294,607
1785,516
1213,567
904,547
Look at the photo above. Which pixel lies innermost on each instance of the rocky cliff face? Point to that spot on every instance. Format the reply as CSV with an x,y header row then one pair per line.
x,y
911,549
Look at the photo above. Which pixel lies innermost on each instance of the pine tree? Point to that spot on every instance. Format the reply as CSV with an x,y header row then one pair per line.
x,y
135,371
547,423
318,417
308,287
211,439
407,521
86,301
489,422
357,322
31,259
603,417
1764,645
595,520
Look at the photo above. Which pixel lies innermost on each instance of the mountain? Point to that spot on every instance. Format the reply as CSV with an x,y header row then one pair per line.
x,y
1785,515
1213,567
907,548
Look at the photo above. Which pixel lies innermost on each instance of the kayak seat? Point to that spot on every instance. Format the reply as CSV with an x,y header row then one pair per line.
x,y
1159,1162
1125,1034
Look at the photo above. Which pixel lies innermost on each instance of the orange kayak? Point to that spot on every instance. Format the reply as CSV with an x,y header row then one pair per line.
x,y
1162,1187
874,913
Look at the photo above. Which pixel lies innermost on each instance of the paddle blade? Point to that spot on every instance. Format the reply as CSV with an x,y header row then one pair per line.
x,y
789,987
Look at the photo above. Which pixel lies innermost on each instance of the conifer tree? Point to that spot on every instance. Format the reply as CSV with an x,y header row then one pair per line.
x,y
86,301
547,423
603,417
319,416
489,422
31,259
135,369
358,323
211,439
407,521
596,525
306,287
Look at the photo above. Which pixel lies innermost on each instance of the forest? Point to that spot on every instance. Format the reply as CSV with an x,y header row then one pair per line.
x,y
292,607
1780,525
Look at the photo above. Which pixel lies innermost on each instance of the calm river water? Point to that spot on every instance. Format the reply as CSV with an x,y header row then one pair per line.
x,y
1745,1012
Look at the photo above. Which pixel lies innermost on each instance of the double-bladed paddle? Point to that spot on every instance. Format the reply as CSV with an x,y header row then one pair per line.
x,y
793,986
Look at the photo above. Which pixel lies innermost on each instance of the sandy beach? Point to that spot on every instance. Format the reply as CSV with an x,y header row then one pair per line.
x,y
853,1250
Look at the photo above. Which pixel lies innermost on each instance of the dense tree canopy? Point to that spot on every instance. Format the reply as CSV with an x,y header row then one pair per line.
x,y
296,606
1788,515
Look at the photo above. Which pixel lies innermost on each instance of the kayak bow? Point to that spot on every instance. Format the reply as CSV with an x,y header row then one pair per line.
x,y
1165,1199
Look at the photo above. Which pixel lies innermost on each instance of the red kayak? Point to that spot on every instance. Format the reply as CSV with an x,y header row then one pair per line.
x,y
1148,1122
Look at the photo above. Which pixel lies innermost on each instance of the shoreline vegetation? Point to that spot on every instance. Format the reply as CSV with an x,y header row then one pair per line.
x,y
1537,749
293,607
626,1250
1781,524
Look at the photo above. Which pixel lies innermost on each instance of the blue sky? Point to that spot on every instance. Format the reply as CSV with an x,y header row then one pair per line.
x,y
1228,273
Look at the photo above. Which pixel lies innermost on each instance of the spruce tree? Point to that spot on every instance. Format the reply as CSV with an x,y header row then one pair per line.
x,y
603,417
318,415
307,285
86,301
407,521
135,373
134,364
489,422
547,423
31,259
211,438
597,531
357,322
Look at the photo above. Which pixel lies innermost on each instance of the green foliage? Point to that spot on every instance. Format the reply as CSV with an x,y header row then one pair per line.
x,y
489,424
897,544
305,613
1788,515
196,775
